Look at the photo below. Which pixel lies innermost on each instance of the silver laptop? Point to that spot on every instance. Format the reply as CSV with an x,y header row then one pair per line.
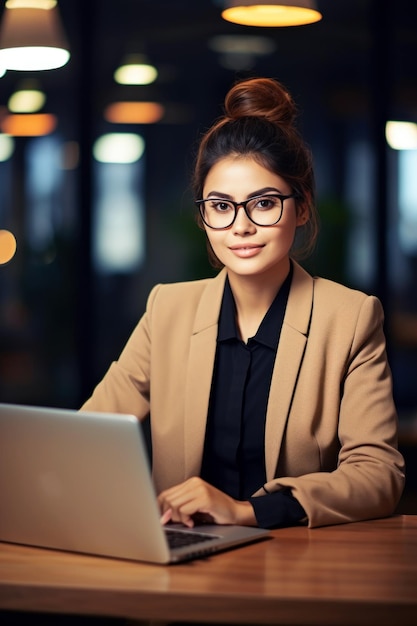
x,y
81,482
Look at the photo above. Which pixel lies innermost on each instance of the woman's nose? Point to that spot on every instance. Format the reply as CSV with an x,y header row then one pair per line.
x,y
242,223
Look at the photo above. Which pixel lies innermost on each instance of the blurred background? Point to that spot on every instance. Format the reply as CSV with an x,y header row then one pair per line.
x,y
97,223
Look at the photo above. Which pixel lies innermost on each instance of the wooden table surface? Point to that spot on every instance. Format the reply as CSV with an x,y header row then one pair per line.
x,y
361,573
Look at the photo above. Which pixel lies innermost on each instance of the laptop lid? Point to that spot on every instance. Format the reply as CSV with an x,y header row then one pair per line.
x,y
81,482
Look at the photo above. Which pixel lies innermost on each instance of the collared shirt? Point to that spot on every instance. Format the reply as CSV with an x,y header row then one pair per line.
x,y
234,451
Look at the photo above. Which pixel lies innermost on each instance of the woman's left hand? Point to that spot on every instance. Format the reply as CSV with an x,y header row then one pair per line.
x,y
195,501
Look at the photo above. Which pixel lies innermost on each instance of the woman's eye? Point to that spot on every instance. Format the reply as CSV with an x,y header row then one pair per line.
x,y
221,206
266,203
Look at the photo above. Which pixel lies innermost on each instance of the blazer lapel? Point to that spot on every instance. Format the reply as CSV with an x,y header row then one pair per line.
x,y
290,353
200,372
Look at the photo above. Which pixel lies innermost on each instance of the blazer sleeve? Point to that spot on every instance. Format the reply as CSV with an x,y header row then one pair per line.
x,y
368,480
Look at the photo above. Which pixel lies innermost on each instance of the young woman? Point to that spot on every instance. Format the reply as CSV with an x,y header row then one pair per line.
x,y
269,391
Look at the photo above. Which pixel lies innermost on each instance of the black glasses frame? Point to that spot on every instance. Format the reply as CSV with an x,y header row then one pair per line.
x,y
243,204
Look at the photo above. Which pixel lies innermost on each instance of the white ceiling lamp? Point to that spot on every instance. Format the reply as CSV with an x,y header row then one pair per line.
x,y
271,12
32,37
119,148
28,98
136,70
401,135
6,147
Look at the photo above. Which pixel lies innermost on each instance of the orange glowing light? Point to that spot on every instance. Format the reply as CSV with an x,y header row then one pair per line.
x,y
271,13
29,125
7,246
134,112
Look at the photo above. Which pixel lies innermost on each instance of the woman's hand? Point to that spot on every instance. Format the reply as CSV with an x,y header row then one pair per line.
x,y
195,501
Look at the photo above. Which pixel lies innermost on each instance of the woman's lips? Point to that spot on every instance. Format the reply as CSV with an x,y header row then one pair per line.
x,y
246,251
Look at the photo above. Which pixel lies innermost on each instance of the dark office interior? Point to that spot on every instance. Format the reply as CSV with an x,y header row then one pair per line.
x,y
93,238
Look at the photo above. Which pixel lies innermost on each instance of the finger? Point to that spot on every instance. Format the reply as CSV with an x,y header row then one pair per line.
x,y
180,514
184,501
166,517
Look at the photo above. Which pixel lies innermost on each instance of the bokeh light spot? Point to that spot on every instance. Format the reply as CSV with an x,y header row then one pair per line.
x,y
7,246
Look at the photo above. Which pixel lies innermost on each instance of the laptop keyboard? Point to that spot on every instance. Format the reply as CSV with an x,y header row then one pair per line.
x,y
180,538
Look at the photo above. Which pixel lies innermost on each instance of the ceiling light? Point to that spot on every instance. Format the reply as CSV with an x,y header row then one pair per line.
x,y
136,70
26,101
6,147
28,98
7,246
29,125
271,12
119,148
134,112
401,135
32,37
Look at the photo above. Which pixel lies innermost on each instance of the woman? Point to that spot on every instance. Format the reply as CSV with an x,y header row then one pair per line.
x,y
269,391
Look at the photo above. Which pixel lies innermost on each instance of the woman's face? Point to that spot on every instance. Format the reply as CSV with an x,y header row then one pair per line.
x,y
245,248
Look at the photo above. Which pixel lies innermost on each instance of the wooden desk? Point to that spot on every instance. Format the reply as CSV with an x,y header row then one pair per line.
x,y
363,573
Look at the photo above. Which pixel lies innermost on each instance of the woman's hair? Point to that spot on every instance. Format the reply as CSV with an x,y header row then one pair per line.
x,y
259,122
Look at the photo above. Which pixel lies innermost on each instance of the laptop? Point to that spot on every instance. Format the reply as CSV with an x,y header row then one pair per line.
x,y
81,482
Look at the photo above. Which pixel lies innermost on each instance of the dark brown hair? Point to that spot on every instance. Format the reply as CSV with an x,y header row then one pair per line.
x,y
259,121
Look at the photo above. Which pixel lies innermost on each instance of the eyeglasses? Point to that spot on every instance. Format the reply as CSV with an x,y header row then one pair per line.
x,y
218,213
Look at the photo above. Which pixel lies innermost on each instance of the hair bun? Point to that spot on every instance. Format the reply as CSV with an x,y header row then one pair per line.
x,y
261,97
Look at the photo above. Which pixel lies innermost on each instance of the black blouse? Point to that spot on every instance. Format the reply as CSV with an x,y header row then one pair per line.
x,y
234,451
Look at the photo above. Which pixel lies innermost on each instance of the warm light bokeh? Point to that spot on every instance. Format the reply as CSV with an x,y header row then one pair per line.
x,y
270,15
7,246
28,125
134,112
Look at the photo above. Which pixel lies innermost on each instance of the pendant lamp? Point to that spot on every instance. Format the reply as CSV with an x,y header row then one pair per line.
x,y
271,12
32,37
136,70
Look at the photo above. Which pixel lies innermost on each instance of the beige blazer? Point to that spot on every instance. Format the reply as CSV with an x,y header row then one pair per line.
x,y
331,425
